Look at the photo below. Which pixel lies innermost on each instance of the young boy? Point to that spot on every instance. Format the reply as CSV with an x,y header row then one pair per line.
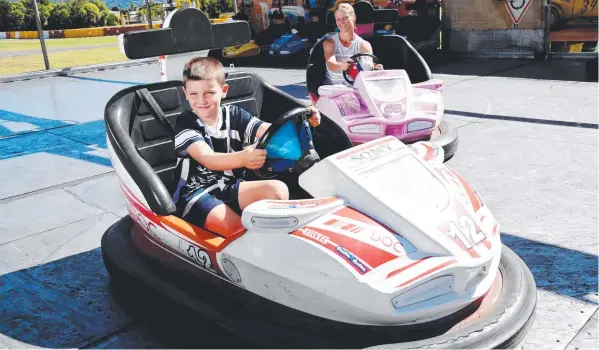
x,y
213,138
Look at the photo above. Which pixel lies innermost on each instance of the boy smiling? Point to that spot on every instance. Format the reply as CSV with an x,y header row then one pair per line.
x,y
213,137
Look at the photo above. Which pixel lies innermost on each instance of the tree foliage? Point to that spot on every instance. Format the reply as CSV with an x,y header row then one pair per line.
x,y
213,8
156,8
19,14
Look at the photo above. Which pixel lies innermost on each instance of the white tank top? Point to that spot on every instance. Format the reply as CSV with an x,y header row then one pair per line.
x,y
341,53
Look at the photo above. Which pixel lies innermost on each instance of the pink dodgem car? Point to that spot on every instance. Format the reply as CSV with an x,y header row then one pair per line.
x,y
403,100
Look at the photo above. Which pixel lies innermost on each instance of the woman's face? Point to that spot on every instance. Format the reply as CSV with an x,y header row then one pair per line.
x,y
344,21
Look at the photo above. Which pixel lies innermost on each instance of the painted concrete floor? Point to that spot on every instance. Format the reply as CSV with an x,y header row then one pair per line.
x,y
528,143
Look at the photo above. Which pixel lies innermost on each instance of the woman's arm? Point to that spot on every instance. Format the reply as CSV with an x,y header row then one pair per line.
x,y
331,60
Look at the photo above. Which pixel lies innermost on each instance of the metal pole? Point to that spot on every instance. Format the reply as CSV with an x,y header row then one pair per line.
x,y
546,44
149,14
235,6
40,32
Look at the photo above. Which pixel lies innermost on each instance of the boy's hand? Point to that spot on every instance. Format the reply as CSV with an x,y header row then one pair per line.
x,y
253,158
314,119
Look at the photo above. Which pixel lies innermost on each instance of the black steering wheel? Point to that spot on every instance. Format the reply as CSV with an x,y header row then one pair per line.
x,y
299,121
354,58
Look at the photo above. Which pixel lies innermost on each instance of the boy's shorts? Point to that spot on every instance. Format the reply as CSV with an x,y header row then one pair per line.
x,y
197,213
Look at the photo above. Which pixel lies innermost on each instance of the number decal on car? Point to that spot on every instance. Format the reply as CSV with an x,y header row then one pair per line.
x,y
466,232
200,256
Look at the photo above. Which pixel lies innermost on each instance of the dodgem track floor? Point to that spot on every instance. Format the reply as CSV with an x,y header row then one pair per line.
x,y
528,143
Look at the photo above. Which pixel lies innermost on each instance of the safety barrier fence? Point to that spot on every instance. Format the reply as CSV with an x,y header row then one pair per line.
x,y
76,33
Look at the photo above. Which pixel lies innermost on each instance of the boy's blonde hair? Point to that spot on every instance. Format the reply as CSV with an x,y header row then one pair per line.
x,y
347,9
204,68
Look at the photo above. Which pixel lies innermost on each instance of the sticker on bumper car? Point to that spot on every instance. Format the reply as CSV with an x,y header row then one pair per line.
x,y
373,247
351,258
199,256
324,240
292,206
170,236
374,235
298,204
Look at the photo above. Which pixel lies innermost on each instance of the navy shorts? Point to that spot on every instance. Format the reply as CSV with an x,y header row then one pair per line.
x,y
198,212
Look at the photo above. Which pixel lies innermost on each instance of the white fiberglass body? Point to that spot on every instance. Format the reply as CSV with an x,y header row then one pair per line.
x,y
389,239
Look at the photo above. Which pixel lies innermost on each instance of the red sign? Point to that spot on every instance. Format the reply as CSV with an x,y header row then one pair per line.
x,y
517,8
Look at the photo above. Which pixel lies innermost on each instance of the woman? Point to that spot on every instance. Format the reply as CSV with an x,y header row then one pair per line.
x,y
342,45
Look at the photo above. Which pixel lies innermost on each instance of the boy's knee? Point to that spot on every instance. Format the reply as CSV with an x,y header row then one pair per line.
x,y
223,220
279,190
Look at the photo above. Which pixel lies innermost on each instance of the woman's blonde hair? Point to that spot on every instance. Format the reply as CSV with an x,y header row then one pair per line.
x,y
347,9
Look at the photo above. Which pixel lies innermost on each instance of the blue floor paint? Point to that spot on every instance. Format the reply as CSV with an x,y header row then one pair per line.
x,y
91,133
57,137
122,82
12,123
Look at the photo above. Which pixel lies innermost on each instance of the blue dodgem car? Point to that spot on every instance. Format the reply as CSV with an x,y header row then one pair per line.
x,y
290,44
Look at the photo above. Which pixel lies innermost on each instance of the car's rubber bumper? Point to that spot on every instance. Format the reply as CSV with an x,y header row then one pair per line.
x,y
264,323
448,139
445,136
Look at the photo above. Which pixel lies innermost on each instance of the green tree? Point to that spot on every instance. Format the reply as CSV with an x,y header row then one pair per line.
x,y
60,17
84,14
12,15
4,9
101,5
91,14
213,8
44,8
156,8
112,20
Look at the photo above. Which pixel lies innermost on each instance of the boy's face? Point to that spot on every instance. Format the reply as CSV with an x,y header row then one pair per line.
x,y
204,96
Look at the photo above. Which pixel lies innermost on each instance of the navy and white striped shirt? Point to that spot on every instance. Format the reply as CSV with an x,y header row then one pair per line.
x,y
190,129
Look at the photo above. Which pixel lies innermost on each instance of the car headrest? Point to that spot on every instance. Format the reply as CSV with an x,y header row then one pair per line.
x,y
185,30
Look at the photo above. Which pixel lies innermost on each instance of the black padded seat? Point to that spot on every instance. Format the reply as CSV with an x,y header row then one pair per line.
x,y
147,152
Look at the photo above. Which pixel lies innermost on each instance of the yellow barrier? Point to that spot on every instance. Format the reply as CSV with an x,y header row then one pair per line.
x,y
28,35
576,47
83,32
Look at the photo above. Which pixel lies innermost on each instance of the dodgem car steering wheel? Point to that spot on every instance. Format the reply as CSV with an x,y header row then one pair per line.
x,y
288,144
355,68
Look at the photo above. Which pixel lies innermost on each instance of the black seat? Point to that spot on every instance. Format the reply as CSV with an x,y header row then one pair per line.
x,y
312,31
393,52
146,150
316,71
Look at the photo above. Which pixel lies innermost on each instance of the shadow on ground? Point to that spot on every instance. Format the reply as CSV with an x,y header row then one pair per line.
x,y
71,303
552,69
557,269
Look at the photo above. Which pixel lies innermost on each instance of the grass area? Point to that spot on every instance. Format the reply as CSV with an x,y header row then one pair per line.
x,y
34,44
62,59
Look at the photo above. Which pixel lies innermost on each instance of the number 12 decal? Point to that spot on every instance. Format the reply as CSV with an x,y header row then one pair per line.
x,y
466,231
